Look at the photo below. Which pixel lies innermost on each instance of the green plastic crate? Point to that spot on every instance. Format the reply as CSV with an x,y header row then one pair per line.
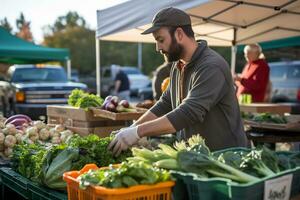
x,y
38,192
14,181
218,188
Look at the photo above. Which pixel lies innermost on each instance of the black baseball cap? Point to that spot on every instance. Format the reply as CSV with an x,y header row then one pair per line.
x,y
168,17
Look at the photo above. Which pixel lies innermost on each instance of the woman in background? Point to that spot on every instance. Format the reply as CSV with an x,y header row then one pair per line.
x,y
254,79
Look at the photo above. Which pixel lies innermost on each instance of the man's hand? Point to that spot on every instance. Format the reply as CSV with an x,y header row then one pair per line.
x,y
124,139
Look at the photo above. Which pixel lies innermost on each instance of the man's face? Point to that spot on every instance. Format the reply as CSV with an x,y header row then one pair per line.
x,y
167,44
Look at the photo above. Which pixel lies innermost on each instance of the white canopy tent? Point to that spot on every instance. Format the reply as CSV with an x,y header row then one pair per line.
x,y
220,22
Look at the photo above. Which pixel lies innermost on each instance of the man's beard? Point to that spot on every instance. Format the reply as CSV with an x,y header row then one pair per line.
x,y
175,51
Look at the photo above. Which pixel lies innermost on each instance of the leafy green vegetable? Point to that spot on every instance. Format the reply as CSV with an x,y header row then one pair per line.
x,y
127,175
202,164
271,118
90,100
81,99
253,161
60,164
75,95
93,149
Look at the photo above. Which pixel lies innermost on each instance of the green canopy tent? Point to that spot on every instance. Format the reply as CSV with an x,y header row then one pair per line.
x,y
286,42
14,50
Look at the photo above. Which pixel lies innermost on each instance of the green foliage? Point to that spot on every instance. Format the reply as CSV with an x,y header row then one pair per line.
x,y
21,21
6,25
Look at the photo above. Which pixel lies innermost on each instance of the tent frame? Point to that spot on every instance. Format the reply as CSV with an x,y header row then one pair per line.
x,y
235,27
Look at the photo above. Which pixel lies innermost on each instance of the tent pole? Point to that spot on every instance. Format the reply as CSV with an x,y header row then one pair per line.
x,y
140,55
98,78
69,69
233,58
233,52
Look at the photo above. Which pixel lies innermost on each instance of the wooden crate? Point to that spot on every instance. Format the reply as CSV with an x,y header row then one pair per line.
x,y
73,113
53,120
83,122
265,107
118,116
293,124
100,131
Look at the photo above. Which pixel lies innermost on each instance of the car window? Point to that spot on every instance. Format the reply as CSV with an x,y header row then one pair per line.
x,y
278,72
39,75
131,71
294,71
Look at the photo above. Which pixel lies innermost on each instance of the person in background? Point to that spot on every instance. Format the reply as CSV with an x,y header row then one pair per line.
x,y
160,74
122,85
254,79
200,98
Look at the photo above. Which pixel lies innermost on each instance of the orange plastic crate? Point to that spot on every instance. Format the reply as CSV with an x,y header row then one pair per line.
x,y
160,191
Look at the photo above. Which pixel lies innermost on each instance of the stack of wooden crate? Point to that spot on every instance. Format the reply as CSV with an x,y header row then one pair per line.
x,y
83,122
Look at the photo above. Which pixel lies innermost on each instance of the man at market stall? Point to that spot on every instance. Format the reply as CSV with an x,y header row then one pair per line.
x,y
200,98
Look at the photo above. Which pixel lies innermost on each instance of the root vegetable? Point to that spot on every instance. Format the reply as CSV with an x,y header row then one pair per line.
x,y
65,134
18,122
2,147
19,138
59,128
124,103
8,152
10,141
19,116
34,137
39,124
11,129
31,131
2,124
55,140
110,107
115,100
2,137
44,134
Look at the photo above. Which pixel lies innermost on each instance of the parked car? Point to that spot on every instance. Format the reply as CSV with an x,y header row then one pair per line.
x,y
285,79
136,78
30,88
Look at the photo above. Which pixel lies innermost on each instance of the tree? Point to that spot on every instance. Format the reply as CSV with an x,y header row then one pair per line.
x,y
24,28
5,24
70,31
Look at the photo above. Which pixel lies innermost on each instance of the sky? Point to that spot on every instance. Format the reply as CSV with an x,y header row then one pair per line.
x,y
44,12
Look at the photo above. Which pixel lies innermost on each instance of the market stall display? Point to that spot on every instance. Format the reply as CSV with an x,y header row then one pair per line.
x,y
273,121
127,181
228,174
88,113
265,107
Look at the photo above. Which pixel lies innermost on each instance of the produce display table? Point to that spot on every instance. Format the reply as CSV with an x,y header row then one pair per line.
x,y
272,136
83,121
25,188
266,107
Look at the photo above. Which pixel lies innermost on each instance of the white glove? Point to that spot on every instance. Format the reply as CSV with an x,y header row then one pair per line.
x,y
124,139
